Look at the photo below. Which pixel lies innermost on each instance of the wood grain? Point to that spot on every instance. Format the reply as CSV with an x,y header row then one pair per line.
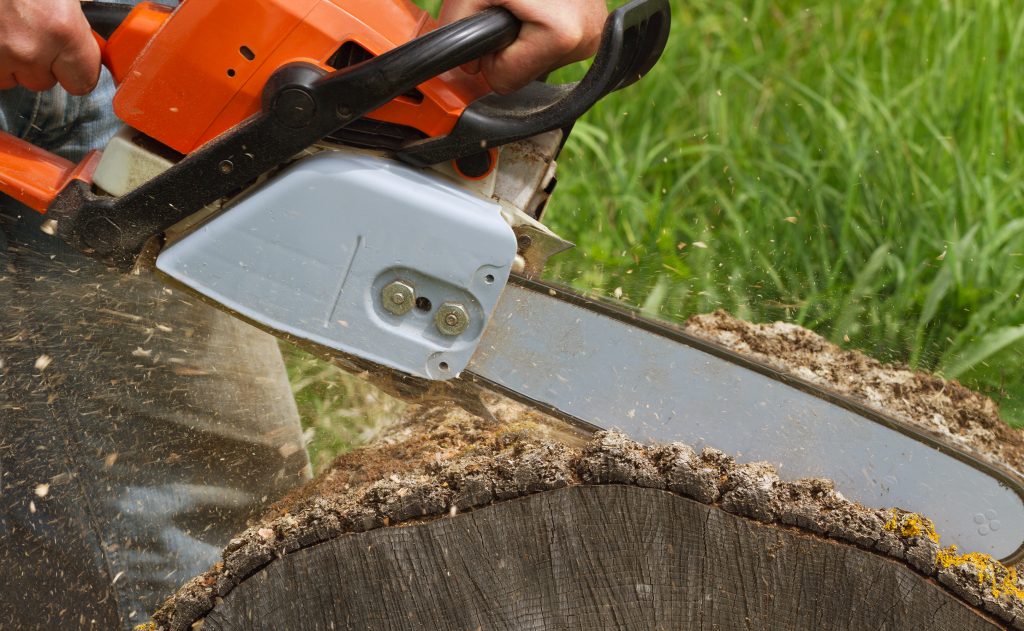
x,y
589,557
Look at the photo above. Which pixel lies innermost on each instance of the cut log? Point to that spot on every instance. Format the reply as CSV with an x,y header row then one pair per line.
x,y
465,524
589,557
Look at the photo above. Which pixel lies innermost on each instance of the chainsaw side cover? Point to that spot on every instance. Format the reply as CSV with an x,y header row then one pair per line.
x,y
315,252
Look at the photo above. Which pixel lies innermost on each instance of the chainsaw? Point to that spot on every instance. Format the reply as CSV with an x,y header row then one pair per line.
x,y
325,170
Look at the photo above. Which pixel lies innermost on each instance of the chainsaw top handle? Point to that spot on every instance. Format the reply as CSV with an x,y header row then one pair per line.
x,y
303,97
633,40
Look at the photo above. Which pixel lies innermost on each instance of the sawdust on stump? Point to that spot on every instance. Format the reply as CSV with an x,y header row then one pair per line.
x,y
444,461
936,405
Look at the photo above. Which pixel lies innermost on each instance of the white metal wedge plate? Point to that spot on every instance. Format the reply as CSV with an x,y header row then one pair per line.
x,y
310,253
613,370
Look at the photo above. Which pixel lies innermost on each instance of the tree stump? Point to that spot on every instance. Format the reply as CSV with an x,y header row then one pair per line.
x,y
460,523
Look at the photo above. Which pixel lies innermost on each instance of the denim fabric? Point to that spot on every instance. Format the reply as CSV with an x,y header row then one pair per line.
x,y
66,125
139,428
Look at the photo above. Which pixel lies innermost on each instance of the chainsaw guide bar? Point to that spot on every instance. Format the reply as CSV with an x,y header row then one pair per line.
x,y
607,367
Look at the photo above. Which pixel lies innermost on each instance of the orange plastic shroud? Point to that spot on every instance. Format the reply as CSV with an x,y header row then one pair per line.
x,y
204,71
34,176
189,73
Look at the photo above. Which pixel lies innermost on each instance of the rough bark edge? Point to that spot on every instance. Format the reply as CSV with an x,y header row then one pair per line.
x,y
517,466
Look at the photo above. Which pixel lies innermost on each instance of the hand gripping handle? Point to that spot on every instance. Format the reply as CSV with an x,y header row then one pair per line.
x,y
32,175
633,40
344,95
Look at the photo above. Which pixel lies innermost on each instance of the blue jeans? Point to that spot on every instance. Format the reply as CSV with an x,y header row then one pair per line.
x,y
139,428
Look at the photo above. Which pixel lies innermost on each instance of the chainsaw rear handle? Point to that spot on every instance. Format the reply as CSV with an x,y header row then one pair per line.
x,y
633,40
34,176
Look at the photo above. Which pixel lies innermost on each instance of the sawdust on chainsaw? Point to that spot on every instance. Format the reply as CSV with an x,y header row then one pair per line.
x,y
939,406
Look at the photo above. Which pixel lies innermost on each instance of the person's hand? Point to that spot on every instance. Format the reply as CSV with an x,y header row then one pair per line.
x,y
45,42
554,33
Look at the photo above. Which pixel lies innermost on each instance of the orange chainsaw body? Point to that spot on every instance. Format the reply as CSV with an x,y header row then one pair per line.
x,y
187,74
204,69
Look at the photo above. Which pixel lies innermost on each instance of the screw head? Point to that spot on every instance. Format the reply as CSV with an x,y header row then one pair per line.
x,y
295,108
524,241
398,297
451,319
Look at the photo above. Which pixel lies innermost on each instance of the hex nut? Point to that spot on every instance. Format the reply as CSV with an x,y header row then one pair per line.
x,y
398,297
451,319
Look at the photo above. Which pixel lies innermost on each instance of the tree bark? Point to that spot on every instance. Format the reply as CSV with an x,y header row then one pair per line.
x,y
465,524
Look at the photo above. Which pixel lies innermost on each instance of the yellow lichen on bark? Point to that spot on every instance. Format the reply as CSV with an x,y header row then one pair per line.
x,y
1001,579
911,525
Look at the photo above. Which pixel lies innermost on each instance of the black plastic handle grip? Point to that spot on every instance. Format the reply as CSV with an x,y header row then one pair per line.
x,y
634,38
403,68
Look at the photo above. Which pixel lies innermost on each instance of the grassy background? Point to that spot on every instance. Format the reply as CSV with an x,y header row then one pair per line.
x,y
851,166
854,167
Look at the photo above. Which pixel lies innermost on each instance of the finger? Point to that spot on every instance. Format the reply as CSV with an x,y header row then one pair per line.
x,y
77,66
582,40
35,78
587,49
528,57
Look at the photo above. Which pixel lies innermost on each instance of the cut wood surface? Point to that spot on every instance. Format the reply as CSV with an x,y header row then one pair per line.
x,y
460,523
589,557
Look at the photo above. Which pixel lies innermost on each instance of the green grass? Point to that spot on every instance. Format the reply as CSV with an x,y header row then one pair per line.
x,y
338,411
855,167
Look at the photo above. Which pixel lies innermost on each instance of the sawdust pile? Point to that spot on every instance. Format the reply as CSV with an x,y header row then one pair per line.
x,y
944,408
446,461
